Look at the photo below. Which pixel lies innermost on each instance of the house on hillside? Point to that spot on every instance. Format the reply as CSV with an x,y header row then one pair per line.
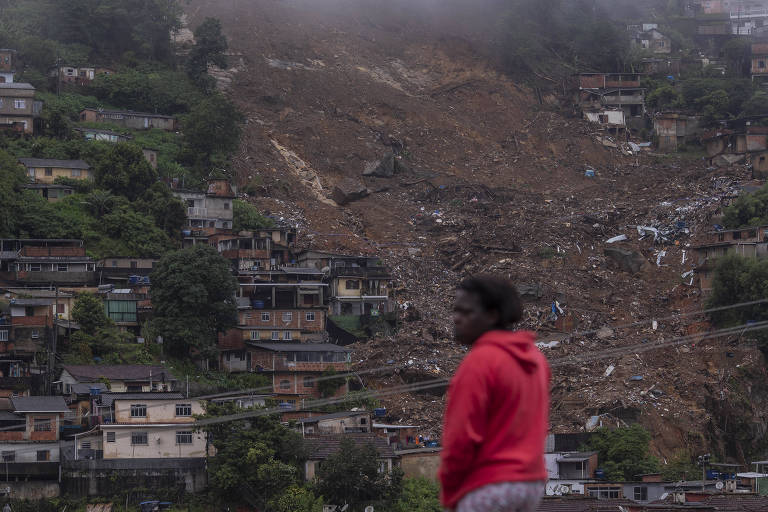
x,y
617,91
759,68
45,261
739,141
18,108
652,40
44,171
7,65
343,422
322,446
78,75
102,135
125,378
673,130
751,242
129,119
207,211
29,445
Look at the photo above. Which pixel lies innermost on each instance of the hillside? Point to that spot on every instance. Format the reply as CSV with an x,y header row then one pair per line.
x,y
489,179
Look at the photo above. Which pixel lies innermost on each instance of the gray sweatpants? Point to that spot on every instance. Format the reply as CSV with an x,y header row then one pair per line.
x,y
503,497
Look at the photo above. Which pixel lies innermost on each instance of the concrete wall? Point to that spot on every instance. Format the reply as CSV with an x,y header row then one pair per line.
x,y
40,176
420,464
161,443
32,490
27,452
158,411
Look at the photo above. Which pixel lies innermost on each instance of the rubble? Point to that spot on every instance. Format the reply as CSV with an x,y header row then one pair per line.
x,y
348,190
627,261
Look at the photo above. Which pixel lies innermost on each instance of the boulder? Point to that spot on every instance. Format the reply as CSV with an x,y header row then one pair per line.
x,y
384,168
348,190
401,167
627,261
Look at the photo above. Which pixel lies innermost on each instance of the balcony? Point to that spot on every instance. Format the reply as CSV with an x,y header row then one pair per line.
x,y
367,272
31,321
194,212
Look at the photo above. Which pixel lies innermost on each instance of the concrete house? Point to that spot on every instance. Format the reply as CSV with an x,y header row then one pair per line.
x,y
620,91
759,68
654,41
18,108
44,171
674,129
343,422
102,135
46,261
321,447
207,211
751,242
7,65
130,378
129,119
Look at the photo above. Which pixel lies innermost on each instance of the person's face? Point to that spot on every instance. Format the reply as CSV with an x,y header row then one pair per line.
x,y
470,320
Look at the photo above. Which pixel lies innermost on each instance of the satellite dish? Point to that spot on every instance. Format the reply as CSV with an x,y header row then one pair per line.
x,y
719,486
369,508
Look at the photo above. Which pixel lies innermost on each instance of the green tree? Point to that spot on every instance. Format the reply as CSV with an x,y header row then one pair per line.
x,y
419,495
246,217
100,202
210,45
297,499
12,179
169,213
623,452
737,52
680,467
747,210
330,384
257,461
89,312
125,171
193,295
211,130
663,98
736,280
756,105
352,476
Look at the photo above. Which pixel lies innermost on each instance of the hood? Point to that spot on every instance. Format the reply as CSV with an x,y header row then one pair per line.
x,y
518,344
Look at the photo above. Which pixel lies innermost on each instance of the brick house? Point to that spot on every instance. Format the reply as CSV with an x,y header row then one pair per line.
x,y
18,108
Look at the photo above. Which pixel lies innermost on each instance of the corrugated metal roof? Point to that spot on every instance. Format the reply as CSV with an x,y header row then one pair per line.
x,y
39,404
321,447
17,85
89,373
107,399
52,162
334,415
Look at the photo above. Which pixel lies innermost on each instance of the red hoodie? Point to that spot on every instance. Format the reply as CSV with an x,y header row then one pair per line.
x,y
497,416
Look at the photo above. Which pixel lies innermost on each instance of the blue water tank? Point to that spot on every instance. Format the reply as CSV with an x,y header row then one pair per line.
x,y
257,304
133,279
380,411
186,232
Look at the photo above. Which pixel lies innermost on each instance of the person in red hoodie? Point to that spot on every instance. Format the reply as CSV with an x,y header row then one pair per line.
x,y
497,415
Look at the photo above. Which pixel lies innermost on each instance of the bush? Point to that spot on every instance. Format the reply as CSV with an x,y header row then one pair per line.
x,y
623,453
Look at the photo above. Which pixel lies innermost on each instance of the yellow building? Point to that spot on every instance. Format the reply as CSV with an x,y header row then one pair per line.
x,y
46,170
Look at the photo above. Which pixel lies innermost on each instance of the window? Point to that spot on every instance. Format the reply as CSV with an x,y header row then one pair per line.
x,y
309,382
275,335
85,445
255,336
138,410
60,308
363,421
132,388
3,335
184,437
226,206
310,316
353,284
285,384
42,425
35,334
641,493
43,455
62,267
139,438
30,170
287,316
110,437
34,267
287,335
737,235
9,456
134,264
265,317
183,409
75,173
18,104
48,171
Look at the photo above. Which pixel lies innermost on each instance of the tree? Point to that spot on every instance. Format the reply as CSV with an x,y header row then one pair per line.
x,y
193,295
747,210
246,217
257,462
210,45
419,495
351,476
738,53
623,452
12,179
169,212
330,384
125,171
88,311
297,499
663,98
212,129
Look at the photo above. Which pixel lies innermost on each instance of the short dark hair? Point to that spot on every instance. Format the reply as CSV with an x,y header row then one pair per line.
x,y
496,294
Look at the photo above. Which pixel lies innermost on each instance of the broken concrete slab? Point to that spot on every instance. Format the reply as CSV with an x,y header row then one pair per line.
x,y
348,190
627,261
727,159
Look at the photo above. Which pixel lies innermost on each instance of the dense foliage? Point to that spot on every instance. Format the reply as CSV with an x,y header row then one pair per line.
x,y
623,453
419,495
246,217
747,210
193,296
209,48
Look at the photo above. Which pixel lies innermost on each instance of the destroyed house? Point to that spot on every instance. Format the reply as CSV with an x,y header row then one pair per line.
x,y
343,422
736,141
674,129
126,378
750,242
258,250
295,366
615,90
129,119
46,261
653,40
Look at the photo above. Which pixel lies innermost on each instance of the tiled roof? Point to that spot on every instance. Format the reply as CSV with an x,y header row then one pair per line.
x,y
86,373
39,404
52,162
128,112
581,504
17,85
323,446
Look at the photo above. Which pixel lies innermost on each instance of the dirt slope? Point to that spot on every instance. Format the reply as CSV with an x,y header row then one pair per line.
x,y
491,181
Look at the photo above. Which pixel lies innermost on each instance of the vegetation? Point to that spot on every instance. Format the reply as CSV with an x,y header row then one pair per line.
x,y
351,476
419,495
623,453
193,294
209,48
246,217
747,210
